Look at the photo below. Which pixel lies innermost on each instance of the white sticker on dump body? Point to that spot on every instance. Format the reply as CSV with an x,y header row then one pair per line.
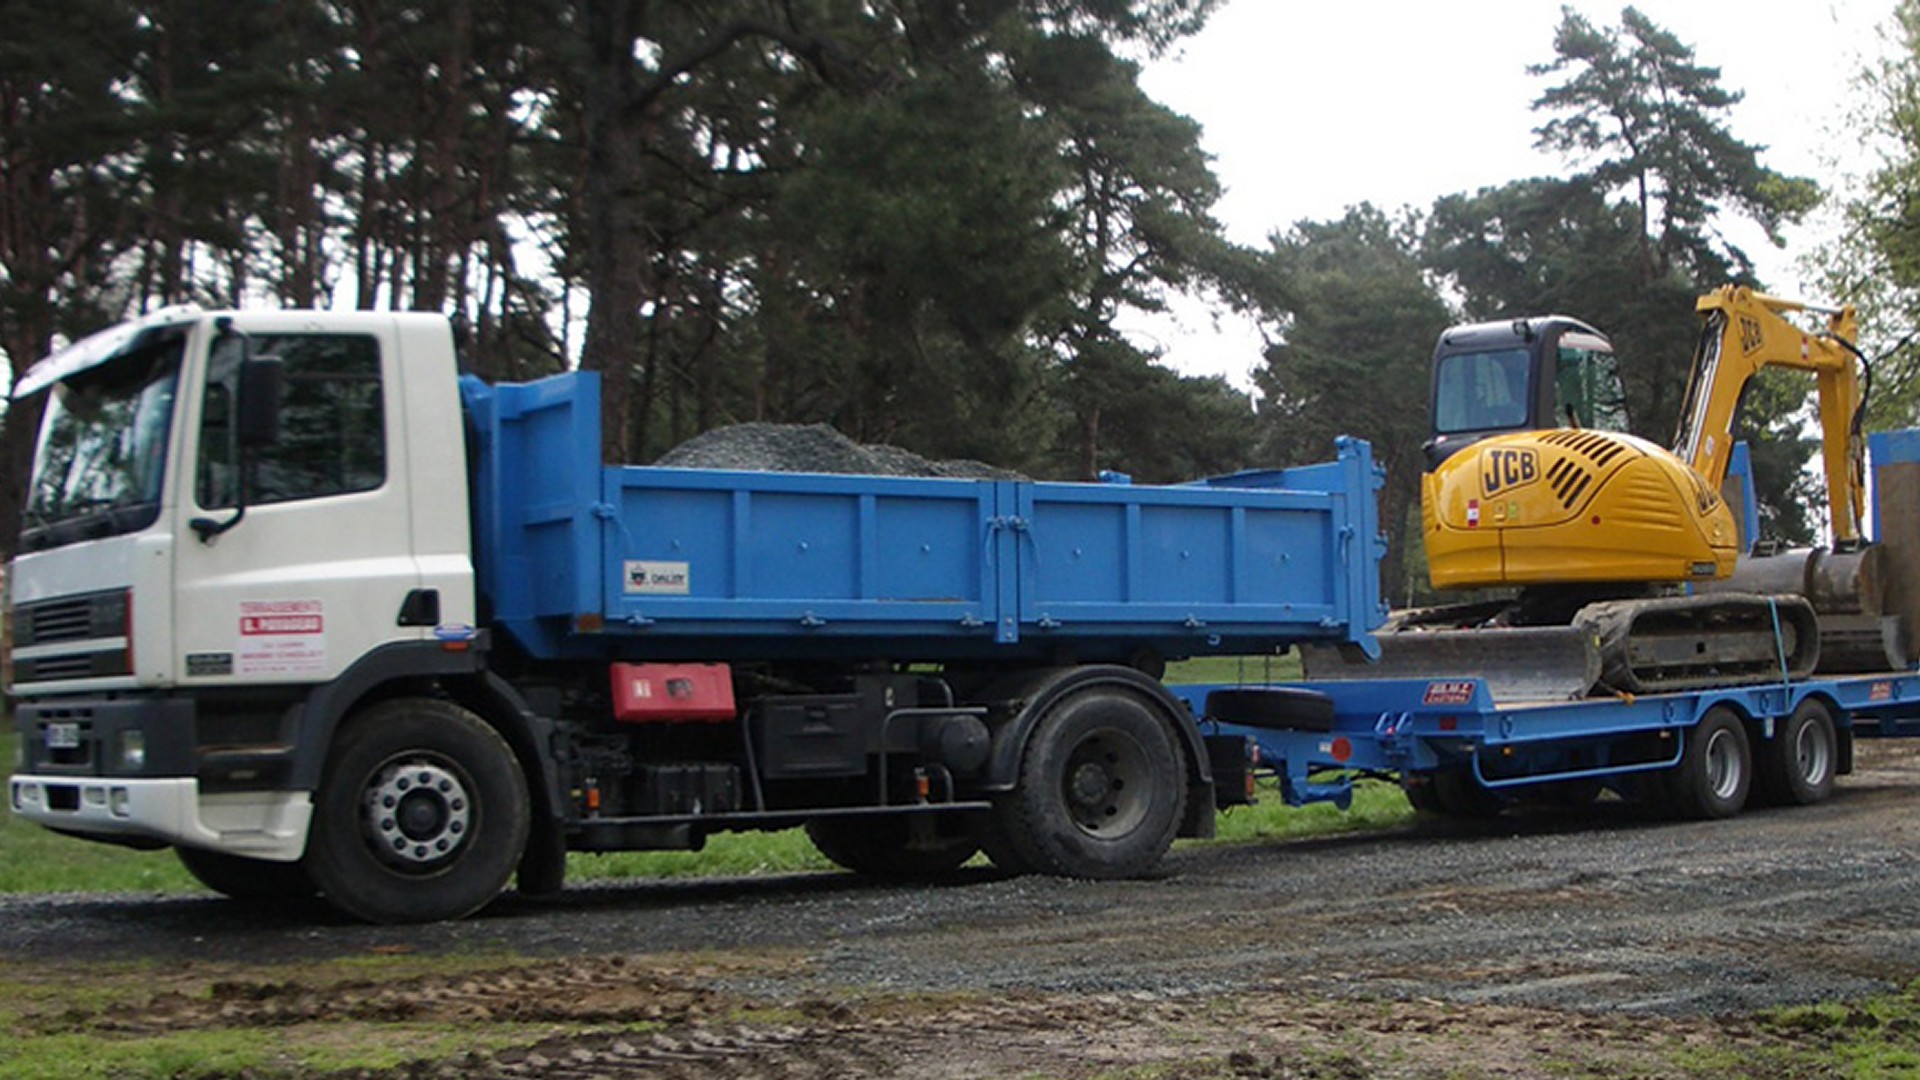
x,y
282,637
648,577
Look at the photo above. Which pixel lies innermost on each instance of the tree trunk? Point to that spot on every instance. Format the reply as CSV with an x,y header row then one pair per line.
x,y
617,252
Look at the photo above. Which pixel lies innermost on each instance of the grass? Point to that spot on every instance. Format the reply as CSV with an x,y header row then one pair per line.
x,y
1235,669
54,1028
1873,1037
32,859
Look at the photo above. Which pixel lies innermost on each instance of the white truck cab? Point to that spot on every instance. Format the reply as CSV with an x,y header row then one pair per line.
x,y
176,592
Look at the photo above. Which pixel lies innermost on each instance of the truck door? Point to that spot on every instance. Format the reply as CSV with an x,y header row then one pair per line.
x,y
314,574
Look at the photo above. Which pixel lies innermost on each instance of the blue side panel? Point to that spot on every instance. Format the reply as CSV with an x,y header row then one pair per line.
x,y
769,554
1178,558
536,481
1886,448
1740,469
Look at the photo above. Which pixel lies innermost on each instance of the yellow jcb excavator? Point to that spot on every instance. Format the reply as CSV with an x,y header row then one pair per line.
x,y
1625,553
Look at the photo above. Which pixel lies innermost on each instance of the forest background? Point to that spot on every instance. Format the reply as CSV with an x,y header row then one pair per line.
x,y
925,222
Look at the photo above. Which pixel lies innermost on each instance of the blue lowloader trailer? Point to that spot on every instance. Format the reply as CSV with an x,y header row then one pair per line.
x,y
1458,749
301,603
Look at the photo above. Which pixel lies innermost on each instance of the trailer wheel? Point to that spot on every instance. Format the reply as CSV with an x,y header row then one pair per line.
x,y
422,814
1796,767
1421,795
887,846
1462,796
1101,790
252,881
1716,771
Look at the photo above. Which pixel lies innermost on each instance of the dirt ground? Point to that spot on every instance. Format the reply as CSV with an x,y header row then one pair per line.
x,y
1608,945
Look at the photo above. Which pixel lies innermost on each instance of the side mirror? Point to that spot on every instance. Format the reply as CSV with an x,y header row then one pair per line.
x,y
258,411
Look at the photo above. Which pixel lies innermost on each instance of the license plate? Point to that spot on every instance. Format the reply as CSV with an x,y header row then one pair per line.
x,y
63,736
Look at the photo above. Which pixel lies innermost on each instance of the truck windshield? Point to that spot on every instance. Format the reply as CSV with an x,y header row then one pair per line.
x,y
103,449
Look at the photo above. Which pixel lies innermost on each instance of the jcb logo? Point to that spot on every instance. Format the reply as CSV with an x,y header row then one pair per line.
x,y
1503,469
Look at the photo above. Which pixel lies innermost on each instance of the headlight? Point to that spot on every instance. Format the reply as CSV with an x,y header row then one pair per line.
x,y
133,751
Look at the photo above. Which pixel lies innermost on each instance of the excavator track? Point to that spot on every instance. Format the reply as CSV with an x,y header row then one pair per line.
x,y
1613,646
1689,642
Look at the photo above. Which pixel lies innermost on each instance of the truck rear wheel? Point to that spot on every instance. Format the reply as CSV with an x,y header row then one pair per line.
x,y
1796,767
891,846
1716,771
421,815
253,881
1101,790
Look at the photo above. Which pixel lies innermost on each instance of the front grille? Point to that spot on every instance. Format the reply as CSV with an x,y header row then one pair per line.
x,y
90,665
75,637
70,618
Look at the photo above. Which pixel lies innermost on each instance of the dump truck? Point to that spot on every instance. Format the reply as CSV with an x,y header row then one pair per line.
x,y
298,599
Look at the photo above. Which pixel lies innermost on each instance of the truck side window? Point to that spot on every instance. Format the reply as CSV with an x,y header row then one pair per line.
x,y
332,422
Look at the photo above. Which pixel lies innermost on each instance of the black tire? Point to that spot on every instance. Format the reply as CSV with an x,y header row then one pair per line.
x,y
1797,766
1000,849
251,881
1462,796
1716,771
891,847
1101,791
1272,708
1564,794
422,814
1421,795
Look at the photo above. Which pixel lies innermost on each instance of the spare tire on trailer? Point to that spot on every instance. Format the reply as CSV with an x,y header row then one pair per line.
x,y
1272,708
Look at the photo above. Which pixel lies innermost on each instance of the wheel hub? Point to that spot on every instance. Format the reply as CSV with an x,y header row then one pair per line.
x,y
1723,765
1090,785
1100,784
417,813
1812,754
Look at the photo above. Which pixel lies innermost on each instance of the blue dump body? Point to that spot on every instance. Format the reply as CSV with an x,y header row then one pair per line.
x,y
581,560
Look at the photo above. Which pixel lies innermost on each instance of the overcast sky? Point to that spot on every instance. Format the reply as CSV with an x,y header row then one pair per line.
x,y
1308,108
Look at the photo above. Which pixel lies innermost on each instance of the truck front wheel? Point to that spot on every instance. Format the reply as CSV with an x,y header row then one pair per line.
x,y
422,814
253,881
1101,790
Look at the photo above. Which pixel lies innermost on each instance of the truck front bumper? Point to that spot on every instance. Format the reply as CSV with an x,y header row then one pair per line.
x,y
270,825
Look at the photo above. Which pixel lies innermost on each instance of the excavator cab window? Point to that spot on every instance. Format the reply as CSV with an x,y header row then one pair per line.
x,y
1586,384
1481,391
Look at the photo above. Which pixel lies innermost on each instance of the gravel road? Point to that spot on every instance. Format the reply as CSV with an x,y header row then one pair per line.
x,y
1609,919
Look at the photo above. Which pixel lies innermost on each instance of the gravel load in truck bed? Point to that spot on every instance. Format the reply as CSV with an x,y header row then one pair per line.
x,y
814,448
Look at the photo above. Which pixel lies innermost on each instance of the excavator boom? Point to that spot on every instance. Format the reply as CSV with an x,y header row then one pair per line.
x,y
1744,332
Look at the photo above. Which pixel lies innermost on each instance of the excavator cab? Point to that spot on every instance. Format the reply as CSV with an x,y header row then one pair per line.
x,y
1521,375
